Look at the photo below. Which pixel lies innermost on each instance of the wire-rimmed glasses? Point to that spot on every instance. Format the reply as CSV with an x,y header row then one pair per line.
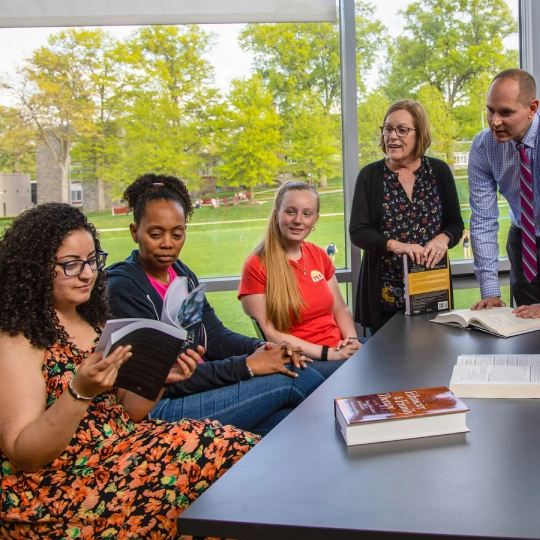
x,y
76,267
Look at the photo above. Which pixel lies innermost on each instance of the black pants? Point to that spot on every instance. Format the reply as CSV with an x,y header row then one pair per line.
x,y
525,293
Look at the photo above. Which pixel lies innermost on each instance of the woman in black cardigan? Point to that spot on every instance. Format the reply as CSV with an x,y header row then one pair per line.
x,y
406,203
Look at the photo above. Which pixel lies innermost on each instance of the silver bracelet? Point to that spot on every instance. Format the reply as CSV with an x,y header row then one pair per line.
x,y
354,338
76,394
251,374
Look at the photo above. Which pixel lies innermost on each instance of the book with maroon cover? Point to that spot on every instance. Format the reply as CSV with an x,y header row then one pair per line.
x,y
394,416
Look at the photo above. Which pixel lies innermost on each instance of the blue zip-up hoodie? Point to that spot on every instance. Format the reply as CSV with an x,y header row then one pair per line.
x,y
132,295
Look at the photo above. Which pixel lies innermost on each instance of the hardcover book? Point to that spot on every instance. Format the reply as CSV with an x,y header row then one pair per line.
x,y
497,376
394,416
427,290
499,321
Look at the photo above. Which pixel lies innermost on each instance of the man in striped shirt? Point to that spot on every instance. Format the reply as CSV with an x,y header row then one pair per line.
x,y
494,162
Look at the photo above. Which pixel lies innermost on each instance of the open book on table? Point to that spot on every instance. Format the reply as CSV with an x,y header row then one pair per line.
x,y
499,321
156,344
497,376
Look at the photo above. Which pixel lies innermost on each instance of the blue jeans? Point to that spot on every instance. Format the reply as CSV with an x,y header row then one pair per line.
x,y
256,405
326,368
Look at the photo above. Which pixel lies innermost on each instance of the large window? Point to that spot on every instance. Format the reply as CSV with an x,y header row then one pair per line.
x,y
185,99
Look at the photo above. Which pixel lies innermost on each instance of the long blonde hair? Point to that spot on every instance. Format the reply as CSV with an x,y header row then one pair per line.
x,y
284,304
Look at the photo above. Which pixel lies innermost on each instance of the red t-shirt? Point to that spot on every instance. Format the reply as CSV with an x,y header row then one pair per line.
x,y
318,325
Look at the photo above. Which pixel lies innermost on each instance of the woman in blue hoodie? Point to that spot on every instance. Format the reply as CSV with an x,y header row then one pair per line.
x,y
242,381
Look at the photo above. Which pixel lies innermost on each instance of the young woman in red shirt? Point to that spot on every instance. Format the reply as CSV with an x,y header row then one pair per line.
x,y
289,285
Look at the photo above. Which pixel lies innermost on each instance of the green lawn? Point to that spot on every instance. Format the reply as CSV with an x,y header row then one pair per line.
x,y
219,240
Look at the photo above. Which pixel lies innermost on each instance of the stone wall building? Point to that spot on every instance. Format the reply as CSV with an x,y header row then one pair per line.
x,y
15,193
83,191
48,175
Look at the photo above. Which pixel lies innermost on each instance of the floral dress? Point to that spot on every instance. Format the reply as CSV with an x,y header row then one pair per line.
x,y
411,221
116,479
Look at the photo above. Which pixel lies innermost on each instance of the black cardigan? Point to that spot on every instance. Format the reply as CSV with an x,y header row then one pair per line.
x,y
365,231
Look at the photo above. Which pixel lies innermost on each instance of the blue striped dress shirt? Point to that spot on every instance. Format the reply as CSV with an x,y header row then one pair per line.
x,y
493,164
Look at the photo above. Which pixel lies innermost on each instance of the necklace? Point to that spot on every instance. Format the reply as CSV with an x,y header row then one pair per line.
x,y
299,263
300,266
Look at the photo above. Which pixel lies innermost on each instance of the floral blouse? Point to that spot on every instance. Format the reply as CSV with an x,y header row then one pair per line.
x,y
415,221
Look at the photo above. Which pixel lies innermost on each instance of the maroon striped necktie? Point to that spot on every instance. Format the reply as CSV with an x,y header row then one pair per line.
x,y
528,233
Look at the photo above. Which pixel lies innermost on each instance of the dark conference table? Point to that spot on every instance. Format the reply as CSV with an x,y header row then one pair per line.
x,y
302,481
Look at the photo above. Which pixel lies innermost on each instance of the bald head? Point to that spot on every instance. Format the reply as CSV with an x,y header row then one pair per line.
x,y
525,83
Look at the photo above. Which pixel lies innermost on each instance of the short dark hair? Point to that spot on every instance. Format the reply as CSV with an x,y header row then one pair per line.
x,y
421,124
28,251
526,82
156,187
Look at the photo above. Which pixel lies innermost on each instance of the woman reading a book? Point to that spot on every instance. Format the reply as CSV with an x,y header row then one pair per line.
x,y
242,381
78,460
288,284
404,204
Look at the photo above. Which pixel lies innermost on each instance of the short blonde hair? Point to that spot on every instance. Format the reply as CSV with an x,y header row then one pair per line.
x,y
421,124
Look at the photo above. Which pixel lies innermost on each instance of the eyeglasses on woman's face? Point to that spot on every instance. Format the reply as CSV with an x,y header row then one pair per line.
x,y
76,267
401,131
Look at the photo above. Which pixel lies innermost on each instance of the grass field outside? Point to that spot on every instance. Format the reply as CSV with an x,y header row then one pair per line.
x,y
219,240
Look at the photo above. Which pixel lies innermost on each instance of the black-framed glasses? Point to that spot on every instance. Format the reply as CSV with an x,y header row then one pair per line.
x,y
76,267
401,131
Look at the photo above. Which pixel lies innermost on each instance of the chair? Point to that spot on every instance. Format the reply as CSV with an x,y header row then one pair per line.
x,y
258,329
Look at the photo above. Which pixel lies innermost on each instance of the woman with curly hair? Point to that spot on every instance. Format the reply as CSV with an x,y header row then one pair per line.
x,y
77,458
242,381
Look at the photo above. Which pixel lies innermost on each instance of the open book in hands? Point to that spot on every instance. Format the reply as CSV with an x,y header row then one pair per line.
x,y
499,321
184,309
156,344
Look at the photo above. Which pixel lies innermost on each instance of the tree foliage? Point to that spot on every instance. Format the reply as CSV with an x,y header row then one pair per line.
x,y
17,142
294,58
250,140
371,112
449,44
54,91
95,150
313,137
168,116
442,123
148,103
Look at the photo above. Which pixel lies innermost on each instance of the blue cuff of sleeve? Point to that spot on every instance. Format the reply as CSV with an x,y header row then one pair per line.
x,y
490,289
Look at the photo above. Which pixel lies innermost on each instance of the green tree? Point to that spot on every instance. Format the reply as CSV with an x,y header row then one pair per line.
x,y
449,44
441,119
54,90
249,138
371,110
470,114
294,58
17,142
314,141
168,121
110,81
